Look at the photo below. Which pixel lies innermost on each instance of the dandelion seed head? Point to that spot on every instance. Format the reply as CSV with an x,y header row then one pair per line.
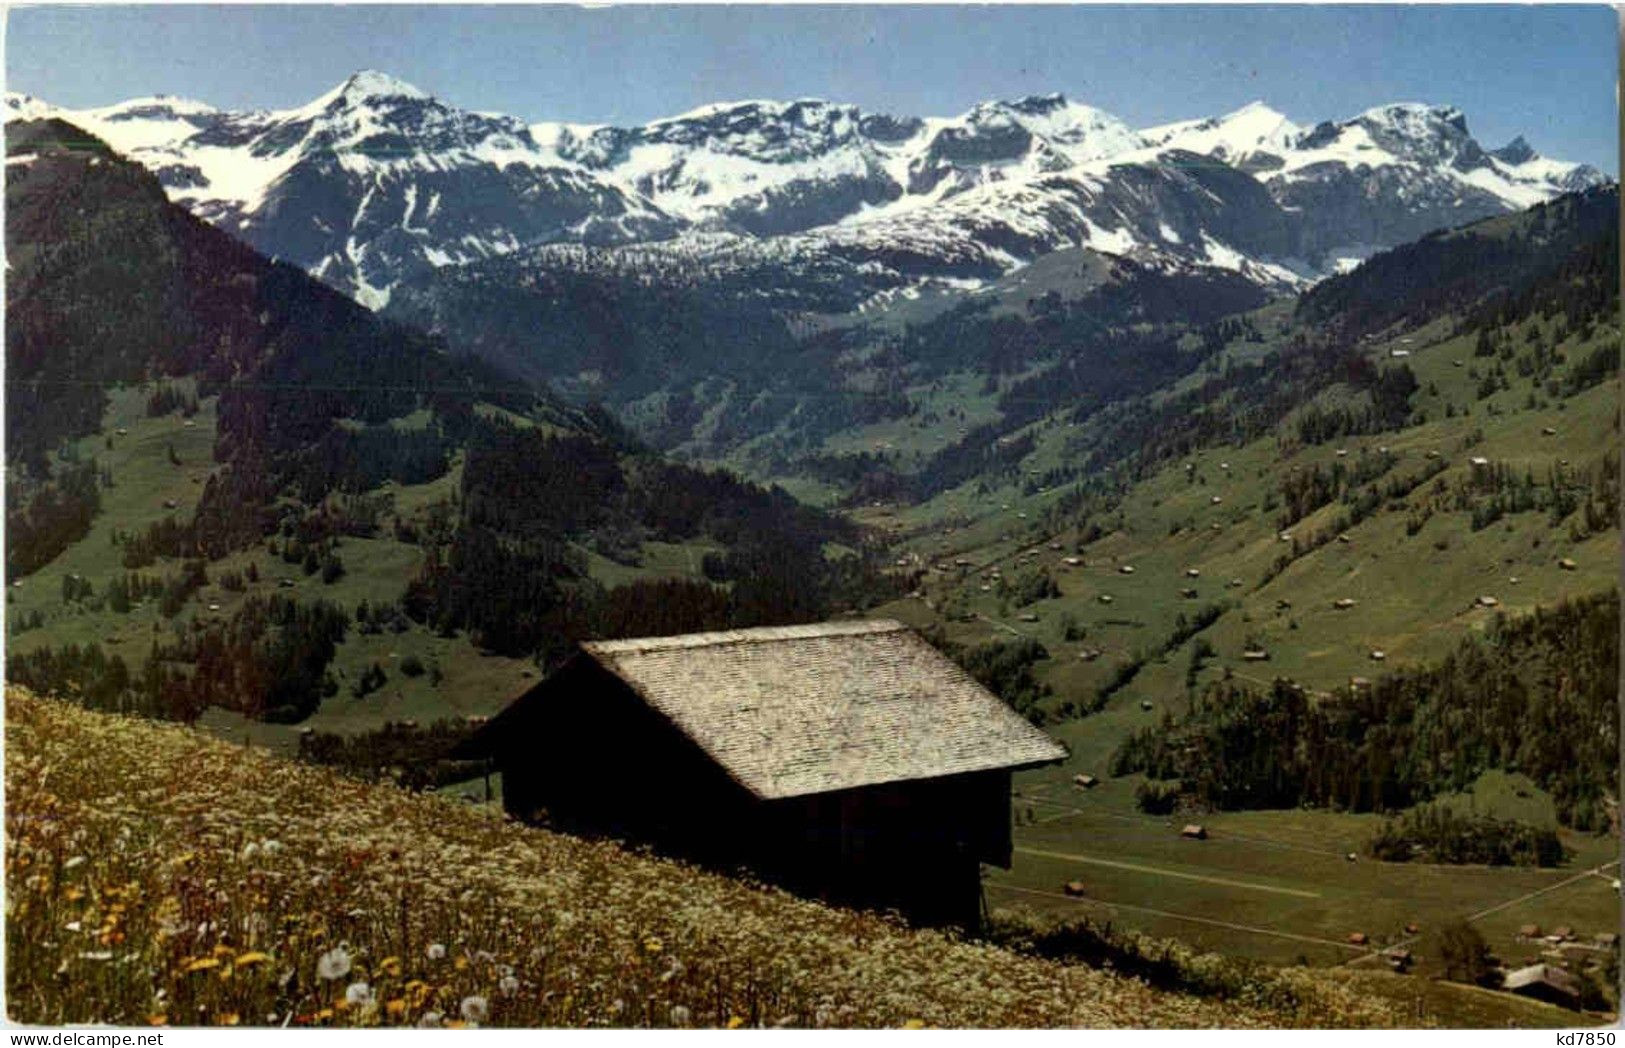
x,y
436,951
475,1009
680,1015
334,964
358,993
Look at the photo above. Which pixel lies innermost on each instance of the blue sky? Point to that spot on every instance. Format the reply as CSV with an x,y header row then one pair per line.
x,y
1547,72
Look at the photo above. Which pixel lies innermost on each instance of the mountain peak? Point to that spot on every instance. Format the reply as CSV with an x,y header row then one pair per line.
x,y
1413,116
1517,151
1035,104
370,84
1256,108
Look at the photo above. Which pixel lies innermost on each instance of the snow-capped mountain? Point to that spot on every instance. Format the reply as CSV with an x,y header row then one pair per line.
x,y
1252,138
376,181
767,168
372,181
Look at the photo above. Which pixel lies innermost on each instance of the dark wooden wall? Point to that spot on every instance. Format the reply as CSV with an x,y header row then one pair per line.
x,y
582,752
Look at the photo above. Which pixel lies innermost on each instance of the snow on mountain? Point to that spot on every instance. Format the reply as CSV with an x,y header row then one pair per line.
x,y
1390,174
25,107
1253,137
371,181
376,181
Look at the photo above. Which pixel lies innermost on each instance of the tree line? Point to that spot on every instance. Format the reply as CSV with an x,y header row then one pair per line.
x,y
1537,694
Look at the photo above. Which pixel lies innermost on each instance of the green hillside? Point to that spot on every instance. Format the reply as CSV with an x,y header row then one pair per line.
x,y
1336,495
217,511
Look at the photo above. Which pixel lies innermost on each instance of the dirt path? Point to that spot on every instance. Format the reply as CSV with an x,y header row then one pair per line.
x,y
1498,907
1229,925
1158,871
1595,871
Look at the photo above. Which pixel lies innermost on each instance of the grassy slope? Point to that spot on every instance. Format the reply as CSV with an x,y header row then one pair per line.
x,y
138,814
1415,599
377,570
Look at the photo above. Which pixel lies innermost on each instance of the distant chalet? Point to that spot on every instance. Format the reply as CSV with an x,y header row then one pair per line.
x,y
850,761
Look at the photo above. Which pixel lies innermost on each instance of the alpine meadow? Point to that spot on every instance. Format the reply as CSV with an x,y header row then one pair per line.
x,y
804,563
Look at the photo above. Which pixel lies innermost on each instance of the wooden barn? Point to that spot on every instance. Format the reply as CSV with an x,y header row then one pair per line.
x,y
848,761
1545,982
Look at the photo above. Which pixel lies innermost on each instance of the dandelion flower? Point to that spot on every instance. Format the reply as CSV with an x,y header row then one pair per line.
x,y
334,964
358,993
475,1009
437,951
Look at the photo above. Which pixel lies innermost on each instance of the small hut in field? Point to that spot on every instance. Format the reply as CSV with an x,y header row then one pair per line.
x,y
849,761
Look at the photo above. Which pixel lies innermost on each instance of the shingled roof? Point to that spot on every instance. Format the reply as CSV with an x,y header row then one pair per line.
x,y
795,710
1542,975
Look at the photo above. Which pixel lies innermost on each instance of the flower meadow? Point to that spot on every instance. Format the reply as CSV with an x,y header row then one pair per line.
x,y
157,876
